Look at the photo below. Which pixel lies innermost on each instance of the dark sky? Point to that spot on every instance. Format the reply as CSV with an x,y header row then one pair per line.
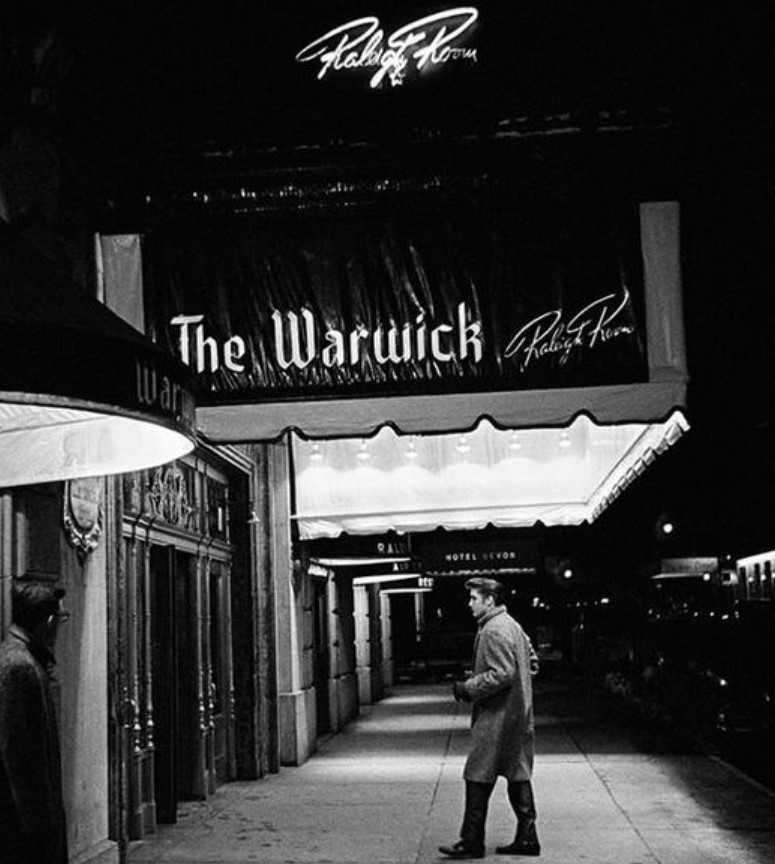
x,y
185,72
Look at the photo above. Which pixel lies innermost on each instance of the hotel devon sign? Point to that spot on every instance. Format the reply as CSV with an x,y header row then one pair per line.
x,y
429,301
364,45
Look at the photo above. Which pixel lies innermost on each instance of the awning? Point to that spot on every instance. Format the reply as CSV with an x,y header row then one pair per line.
x,y
512,479
638,401
468,460
81,393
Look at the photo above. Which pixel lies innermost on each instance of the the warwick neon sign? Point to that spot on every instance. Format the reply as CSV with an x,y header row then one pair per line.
x,y
363,44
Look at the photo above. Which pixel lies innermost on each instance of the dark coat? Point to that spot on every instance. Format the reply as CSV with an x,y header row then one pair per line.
x,y
32,817
502,730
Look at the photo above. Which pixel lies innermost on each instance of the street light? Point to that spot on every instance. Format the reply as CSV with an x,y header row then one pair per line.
x,y
666,526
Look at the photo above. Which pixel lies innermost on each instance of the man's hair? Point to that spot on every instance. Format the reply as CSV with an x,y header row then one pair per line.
x,y
33,602
488,588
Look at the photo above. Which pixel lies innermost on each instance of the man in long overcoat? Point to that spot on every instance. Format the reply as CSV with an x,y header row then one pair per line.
x,y
32,816
502,730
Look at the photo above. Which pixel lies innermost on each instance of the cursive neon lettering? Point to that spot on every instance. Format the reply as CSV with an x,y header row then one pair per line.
x,y
548,335
362,44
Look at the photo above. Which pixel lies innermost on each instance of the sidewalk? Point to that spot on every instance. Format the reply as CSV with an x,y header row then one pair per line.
x,y
389,789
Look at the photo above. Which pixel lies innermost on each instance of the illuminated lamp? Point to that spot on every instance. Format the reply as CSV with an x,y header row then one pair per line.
x,y
82,393
666,526
380,578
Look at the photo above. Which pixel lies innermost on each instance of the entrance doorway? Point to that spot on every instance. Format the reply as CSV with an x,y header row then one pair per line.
x,y
322,655
174,670
219,630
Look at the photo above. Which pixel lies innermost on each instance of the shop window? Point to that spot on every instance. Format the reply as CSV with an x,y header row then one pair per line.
x,y
217,511
38,523
756,582
132,485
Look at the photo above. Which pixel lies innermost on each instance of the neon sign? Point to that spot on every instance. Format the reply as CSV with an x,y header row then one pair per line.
x,y
363,44
297,343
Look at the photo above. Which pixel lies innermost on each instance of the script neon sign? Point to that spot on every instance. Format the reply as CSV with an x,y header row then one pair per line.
x,y
363,44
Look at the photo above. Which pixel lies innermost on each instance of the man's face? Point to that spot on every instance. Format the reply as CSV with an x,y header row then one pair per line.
x,y
50,626
479,603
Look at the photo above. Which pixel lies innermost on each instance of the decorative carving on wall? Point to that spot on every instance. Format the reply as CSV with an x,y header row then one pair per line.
x,y
82,514
167,497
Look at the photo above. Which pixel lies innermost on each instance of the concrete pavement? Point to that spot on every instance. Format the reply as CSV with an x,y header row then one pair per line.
x,y
389,789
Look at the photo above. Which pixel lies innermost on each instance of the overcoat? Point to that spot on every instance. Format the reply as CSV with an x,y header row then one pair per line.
x,y
502,727
32,817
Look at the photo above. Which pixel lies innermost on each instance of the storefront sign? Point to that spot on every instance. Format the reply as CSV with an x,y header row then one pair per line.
x,y
558,334
428,302
697,566
155,390
363,45
300,341
516,556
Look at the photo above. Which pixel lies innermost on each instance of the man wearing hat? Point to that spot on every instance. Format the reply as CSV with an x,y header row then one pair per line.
x,y
32,817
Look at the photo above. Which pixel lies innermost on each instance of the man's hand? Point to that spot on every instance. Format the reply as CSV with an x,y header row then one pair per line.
x,y
459,692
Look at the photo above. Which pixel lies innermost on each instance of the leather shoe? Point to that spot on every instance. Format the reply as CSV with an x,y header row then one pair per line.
x,y
461,849
530,847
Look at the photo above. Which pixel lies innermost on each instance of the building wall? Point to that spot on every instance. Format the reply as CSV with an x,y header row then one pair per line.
x,y
82,672
368,643
35,547
386,635
343,687
755,578
296,708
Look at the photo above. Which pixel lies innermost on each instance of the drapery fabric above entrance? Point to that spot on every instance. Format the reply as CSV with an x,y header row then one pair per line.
x,y
577,375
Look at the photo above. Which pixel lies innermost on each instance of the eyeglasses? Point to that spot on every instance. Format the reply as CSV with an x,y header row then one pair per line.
x,y
61,617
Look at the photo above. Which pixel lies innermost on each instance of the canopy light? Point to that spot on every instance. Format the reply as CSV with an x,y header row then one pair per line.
x,y
82,393
495,484
378,579
362,561
661,577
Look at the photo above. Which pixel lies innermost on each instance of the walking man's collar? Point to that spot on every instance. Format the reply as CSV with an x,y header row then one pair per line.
x,y
488,616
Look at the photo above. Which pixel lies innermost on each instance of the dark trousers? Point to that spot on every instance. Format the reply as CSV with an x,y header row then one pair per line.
x,y
475,813
523,804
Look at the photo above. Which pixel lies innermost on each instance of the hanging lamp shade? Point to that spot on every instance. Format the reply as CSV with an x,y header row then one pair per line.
x,y
82,393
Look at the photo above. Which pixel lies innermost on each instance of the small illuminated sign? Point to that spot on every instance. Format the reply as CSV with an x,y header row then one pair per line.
x,y
362,44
